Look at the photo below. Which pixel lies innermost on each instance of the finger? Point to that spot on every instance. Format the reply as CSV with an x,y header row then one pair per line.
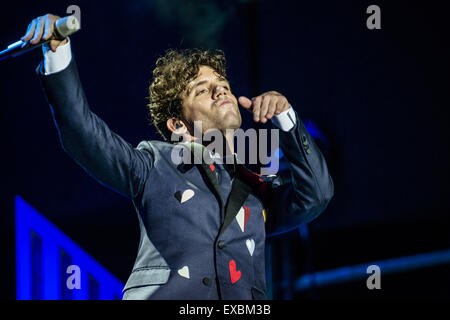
x,y
281,106
272,109
48,28
264,107
29,31
54,44
256,108
38,31
245,102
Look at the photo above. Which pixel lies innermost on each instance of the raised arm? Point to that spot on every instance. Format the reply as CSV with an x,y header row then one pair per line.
x,y
84,136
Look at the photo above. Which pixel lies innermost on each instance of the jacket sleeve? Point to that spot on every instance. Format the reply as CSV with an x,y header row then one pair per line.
x,y
87,139
310,187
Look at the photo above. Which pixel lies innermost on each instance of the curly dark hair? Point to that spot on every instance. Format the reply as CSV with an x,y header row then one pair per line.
x,y
171,75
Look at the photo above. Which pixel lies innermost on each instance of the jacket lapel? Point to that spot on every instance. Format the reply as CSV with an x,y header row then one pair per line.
x,y
239,192
206,169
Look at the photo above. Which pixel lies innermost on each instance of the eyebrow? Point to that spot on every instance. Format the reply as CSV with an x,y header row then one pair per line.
x,y
221,79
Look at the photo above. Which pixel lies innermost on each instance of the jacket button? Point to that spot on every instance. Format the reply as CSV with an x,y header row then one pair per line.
x,y
221,244
206,281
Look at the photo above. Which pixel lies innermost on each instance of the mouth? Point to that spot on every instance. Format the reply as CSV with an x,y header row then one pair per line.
x,y
224,102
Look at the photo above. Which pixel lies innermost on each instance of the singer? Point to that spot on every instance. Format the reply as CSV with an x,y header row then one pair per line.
x,y
202,225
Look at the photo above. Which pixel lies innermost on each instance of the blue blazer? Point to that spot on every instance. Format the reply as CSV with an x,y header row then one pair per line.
x,y
194,242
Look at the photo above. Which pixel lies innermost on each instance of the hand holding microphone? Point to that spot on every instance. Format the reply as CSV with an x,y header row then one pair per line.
x,y
48,29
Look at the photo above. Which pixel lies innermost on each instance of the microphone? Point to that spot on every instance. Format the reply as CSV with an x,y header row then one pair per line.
x,y
64,27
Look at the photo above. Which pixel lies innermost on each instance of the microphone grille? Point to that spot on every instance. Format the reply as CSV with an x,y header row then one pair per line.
x,y
67,26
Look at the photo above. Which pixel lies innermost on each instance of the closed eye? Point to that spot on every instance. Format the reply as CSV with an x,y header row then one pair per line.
x,y
200,92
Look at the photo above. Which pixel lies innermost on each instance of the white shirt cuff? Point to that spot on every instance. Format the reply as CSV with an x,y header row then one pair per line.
x,y
285,120
57,61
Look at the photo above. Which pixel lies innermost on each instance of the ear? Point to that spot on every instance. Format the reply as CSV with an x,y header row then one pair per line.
x,y
177,126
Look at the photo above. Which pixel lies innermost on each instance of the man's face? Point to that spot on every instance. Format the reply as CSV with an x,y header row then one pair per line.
x,y
208,98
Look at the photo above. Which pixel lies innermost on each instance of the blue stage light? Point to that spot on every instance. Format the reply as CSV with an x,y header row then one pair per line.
x,y
43,254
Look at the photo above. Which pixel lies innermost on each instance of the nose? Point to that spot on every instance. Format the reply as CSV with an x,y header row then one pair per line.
x,y
218,91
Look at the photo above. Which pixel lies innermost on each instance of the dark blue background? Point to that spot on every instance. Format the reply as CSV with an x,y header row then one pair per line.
x,y
380,96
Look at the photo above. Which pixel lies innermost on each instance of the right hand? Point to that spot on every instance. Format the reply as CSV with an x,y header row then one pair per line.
x,y
41,29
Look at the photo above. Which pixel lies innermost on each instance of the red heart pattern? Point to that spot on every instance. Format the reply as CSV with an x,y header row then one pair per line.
x,y
246,215
235,275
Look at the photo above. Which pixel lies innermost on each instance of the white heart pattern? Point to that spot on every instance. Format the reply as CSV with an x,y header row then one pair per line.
x,y
240,218
184,272
250,243
186,195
